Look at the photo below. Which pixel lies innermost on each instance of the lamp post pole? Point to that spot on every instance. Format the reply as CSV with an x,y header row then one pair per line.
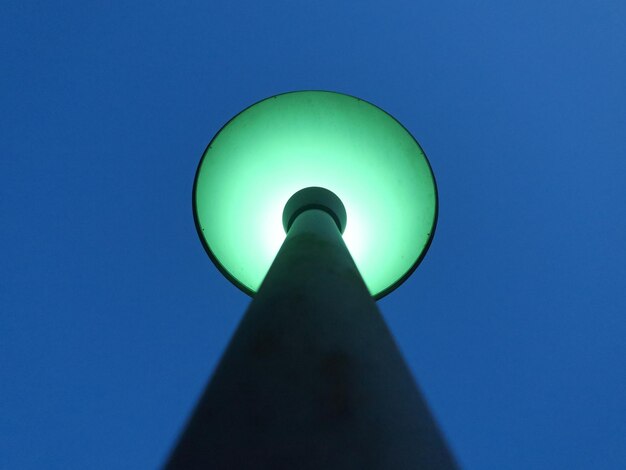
x,y
312,378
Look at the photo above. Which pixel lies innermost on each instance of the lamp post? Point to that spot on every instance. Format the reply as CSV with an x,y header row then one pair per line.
x,y
312,378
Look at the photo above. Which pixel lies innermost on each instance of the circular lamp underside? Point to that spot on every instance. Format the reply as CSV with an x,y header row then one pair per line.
x,y
288,142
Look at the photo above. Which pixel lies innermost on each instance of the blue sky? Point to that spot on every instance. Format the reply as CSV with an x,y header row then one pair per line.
x,y
112,317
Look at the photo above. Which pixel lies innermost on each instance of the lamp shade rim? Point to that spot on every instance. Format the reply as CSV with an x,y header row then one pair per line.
x,y
202,210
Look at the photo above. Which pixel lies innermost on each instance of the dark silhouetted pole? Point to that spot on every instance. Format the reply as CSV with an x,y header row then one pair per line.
x,y
312,378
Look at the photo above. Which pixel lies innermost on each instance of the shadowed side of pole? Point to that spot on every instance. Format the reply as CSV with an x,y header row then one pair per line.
x,y
312,378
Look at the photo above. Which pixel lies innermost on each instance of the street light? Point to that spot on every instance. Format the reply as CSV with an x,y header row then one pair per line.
x,y
312,377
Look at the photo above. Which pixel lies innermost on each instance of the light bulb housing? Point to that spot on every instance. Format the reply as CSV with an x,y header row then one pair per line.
x,y
283,144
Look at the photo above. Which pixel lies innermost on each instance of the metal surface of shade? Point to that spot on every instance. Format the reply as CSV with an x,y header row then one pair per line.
x,y
282,144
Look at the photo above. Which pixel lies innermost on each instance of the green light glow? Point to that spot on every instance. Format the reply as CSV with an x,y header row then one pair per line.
x,y
314,138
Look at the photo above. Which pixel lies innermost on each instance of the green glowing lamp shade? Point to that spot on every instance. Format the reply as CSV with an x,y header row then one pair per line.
x,y
288,142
